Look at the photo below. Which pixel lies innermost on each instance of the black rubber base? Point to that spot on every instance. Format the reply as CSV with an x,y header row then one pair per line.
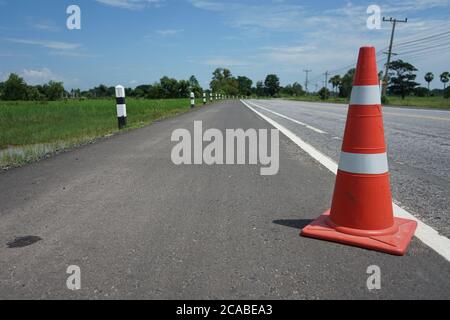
x,y
122,122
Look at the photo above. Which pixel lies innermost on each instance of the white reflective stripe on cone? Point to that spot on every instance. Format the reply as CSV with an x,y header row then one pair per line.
x,y
364,163
365,95
121,110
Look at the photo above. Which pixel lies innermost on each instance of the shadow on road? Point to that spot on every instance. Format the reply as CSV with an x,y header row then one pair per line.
x,y
297,224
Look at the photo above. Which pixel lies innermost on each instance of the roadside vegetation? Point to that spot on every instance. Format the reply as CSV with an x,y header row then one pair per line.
x,y
32,130
38,120
402,89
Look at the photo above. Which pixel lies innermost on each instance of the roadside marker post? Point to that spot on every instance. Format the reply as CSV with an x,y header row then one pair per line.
x,y
362,212
211,97
204,98
192,99
121,107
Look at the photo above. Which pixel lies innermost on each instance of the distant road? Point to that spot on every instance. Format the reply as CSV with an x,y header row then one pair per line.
x,y
419,150
140,227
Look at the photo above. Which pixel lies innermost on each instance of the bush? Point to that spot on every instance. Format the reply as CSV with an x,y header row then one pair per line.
x,y
421,92
324,94
384,100
447,93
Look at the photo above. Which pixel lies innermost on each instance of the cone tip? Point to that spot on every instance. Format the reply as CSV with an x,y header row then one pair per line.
x,y
366,71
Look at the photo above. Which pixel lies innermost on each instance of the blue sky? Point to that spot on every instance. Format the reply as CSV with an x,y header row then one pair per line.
x,y
138,41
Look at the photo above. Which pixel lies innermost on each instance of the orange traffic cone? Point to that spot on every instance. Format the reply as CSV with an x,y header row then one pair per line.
x,y
362,211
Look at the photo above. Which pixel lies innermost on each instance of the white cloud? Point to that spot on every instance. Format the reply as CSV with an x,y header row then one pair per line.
x,y
71,54
58,48
169,32
49,26
39,76
132,4
56,45
225,62
325,40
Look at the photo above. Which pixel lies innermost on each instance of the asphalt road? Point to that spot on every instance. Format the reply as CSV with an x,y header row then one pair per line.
x,y
419,151
140,227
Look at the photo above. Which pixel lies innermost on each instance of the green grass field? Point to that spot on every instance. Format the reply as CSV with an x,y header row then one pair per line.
x,y
414,102
32,130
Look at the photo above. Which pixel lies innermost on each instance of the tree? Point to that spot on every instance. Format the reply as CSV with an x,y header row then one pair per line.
x,y
34,94
193,82
245,85
294,89
445,76
272,85
169,87
54,90
2,89
428,78
402,78
260,90
198,91
421,92
297,89
346,84
15,88
195,87
156,91
142,91
183,89
447,93
227,74
335,82
224,82
324,93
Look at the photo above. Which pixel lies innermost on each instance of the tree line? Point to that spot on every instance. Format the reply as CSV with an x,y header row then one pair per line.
x,y
402,82
223,82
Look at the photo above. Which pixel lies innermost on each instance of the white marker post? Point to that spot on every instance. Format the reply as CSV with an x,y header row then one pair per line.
x,y
211,96
204,98
192,100
121,107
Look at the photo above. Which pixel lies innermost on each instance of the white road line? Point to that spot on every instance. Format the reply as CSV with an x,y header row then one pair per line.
x,y
424,232
287,118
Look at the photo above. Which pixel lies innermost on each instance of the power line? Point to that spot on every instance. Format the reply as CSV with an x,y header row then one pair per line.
x,y
423,40
421,45
429,51
425,48
440,31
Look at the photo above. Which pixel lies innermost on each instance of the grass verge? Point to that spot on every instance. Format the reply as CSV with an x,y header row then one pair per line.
x,y
33,130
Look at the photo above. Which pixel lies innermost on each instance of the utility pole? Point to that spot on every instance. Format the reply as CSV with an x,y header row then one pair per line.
x,y
386,73
307,81
326,74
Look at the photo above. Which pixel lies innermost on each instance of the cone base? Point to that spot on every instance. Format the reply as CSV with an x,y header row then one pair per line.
x,y
395,243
